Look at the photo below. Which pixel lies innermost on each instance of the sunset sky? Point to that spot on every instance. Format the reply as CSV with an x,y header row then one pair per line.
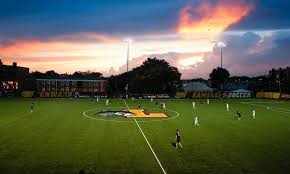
x,y
71,35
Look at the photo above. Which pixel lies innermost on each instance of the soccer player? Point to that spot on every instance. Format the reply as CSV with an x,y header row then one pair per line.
x,y
97,98
193,105
207,101
228,107
156,103
178,139
139,106
107,102
239,115
196,121
164,106
151,99
254,114
32,107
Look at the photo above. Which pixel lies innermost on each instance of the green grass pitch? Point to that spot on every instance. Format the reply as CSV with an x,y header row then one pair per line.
x,y
58,138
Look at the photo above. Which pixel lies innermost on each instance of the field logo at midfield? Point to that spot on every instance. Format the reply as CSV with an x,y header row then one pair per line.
x,y
141,113
92,114
132,113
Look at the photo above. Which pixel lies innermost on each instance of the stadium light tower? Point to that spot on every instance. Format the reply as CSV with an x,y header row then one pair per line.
x,y
128,40
221,45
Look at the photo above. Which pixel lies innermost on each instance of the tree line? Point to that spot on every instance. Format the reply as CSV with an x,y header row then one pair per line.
x,y
156,76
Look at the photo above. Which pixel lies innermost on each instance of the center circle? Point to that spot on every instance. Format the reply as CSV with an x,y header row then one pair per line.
x,y
91,114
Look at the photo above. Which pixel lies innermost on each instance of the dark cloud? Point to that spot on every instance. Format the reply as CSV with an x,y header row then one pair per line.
x,y
252,54
266,15
45,19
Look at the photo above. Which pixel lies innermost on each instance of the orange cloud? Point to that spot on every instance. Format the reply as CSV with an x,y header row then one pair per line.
x,y
28,47
207,17
67,43
90,36
65,53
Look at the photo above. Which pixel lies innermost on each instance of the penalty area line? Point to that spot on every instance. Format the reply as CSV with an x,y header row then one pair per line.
x,y
147,142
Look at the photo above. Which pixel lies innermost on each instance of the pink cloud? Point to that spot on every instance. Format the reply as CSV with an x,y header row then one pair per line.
x,y
214,17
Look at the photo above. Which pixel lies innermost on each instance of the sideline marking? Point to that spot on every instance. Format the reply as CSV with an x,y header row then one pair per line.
x,y
147,142
282,110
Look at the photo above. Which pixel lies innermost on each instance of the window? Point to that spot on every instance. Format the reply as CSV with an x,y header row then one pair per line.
x,y
67,83
53,82
48,82
62,82
74,82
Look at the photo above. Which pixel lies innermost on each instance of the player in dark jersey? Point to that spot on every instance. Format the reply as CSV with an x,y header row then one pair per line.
x,y
32,107
239,115
178,141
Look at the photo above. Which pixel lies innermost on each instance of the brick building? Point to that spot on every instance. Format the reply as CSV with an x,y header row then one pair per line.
x,y
12,78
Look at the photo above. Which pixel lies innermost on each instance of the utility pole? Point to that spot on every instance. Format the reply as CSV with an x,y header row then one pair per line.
x,y
221,57
221,45
128,40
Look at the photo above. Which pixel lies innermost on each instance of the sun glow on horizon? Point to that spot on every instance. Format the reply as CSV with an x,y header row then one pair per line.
x,y
191,61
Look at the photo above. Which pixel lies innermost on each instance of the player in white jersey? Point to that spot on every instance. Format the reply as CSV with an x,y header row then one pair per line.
x,y
196,121
107,102
193,105
164,106
97,98
254,113
151,99
228,107
207,101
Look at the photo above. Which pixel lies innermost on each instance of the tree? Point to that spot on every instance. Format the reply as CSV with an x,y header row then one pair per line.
x,y
87,75
218,77
36,75
152,77
51,74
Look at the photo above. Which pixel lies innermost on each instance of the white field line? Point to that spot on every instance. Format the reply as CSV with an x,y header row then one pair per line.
x,y
282,110
147,142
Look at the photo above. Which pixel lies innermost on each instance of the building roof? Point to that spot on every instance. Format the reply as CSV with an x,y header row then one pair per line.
x,y
241,90
197,86
82,80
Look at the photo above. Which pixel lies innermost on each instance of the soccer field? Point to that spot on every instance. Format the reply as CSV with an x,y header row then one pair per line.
x,y
65,136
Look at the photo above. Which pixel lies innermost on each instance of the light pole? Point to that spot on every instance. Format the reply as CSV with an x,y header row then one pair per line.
x,y
279,82
128,40
221,45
